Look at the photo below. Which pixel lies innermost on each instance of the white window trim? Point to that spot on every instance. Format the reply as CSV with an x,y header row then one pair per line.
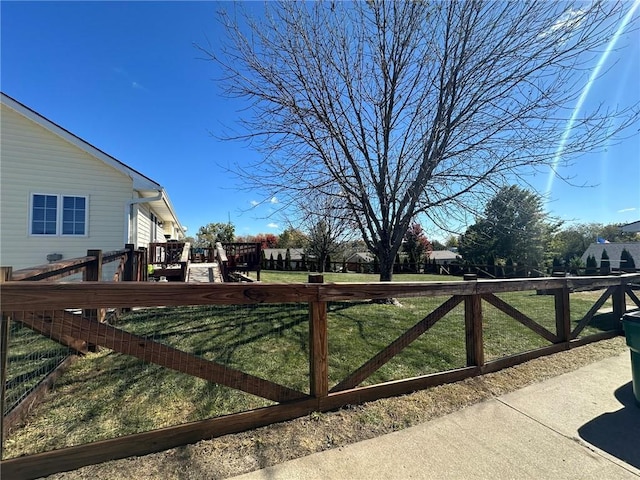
x,y
59,209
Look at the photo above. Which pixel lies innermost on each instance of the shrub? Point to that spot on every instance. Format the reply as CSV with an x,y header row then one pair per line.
x,y
575,264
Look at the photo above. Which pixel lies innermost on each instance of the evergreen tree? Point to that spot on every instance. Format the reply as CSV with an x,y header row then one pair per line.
x,y
627,264
287,260
514,225
272,263
592,265
605,264
280,262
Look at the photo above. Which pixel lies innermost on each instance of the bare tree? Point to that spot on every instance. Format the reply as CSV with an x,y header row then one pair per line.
x,y
414,108
327,224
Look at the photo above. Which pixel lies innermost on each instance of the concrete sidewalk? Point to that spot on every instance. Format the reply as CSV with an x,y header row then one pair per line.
x,y
583,424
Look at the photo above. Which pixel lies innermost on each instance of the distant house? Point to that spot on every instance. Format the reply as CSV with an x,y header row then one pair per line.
x,y
61,196
614,250
356,261
297,256
633,227
443,256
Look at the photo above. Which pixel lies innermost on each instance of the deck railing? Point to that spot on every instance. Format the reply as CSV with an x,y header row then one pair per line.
x,y
241,258
569,312
170,259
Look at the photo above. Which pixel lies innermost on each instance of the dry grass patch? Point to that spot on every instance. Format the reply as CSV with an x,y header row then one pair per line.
x,y
244,452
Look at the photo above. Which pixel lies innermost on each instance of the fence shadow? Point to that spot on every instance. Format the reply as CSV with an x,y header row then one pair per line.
x,y
617,433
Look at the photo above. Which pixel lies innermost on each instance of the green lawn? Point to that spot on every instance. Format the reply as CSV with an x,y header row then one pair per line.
x,y
108,394
272,276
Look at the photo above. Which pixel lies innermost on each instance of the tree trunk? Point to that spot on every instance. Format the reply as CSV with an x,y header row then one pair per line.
x,y
386,267
321,262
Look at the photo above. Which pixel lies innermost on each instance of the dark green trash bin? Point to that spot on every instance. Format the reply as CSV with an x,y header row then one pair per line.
x,y
631,325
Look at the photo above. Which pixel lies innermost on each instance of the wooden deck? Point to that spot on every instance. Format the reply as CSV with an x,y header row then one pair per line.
x,y
204,273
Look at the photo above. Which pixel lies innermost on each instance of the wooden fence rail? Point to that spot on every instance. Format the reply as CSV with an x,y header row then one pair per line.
x,y
21,301
131,266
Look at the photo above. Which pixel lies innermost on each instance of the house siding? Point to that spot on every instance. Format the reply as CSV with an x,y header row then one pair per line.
x,y
143,227
34,160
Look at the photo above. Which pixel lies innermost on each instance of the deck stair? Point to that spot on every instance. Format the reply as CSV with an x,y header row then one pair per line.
x,y
204,273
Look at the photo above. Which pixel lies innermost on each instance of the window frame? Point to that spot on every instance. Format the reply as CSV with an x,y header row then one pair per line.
x,y
60,197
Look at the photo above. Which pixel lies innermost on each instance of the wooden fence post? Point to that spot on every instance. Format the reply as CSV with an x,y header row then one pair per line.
x,y
619,302
143,265
318,345
93,273
473,326
128,265
563,312
5,275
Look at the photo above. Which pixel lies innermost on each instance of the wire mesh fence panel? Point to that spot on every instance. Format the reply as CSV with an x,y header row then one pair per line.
x,y
31,358
256,339
440,348
582,303
504,335
360,331
108,394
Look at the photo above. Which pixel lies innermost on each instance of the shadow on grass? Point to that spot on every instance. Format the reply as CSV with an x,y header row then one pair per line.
x,y
605,322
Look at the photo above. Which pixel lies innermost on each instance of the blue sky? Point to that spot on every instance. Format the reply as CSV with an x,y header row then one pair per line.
x,y
126,77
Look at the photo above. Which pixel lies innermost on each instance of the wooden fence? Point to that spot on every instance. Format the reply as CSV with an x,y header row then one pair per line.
x,y
130,265
22,300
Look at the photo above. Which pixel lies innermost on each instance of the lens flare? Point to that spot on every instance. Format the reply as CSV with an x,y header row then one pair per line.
x,y
585,94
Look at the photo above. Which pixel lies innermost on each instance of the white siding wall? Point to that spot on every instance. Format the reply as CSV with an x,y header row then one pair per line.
x,y
144,227
34,160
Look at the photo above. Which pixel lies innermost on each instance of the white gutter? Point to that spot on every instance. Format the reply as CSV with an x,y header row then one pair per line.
x,y
127,212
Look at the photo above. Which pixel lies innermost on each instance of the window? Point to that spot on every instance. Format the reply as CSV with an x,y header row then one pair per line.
x,y
45,218
73,215
58,215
